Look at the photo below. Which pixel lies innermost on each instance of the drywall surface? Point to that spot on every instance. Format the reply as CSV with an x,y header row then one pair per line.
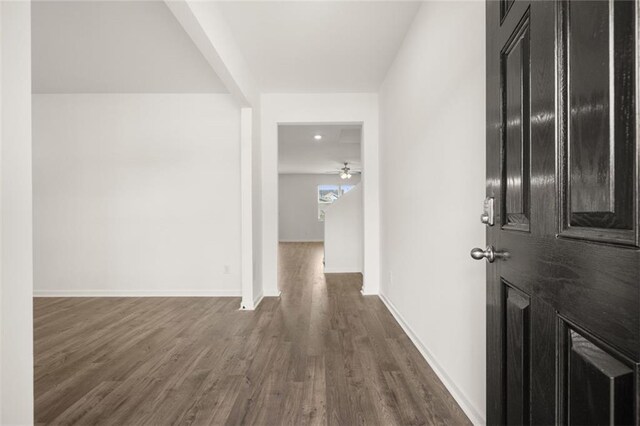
x,y
115,47
16,267
137,194
432,111
246,195
298,205
343,245
335,108
256,194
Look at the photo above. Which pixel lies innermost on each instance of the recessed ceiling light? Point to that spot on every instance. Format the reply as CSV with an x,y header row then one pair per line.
x,y
317,137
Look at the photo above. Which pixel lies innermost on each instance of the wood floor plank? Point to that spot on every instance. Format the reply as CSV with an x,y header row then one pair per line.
x,y
320,354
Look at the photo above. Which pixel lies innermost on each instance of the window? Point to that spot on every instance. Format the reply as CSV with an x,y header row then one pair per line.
x,y
346,188
327,194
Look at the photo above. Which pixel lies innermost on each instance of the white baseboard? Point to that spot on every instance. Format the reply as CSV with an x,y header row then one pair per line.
x,y
345,270
257,300
136,293
252,305
476,417
275,293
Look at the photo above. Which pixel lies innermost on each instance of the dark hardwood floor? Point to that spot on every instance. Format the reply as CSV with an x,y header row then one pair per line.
x,y
320,354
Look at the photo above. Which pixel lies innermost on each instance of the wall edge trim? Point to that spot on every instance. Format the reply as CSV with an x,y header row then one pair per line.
x,y
257,300
476,417
136,293
271,294
253,305
345,270
301,241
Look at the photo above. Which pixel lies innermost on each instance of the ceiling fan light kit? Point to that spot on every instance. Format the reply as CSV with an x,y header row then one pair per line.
x,y
345,172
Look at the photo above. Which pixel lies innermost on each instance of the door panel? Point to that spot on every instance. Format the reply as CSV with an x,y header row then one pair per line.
x,y
516,98
563,303
505,6
517,356
598,382
599,387
599,107
591,169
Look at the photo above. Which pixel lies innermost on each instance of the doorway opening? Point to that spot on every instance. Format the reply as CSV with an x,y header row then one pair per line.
x,y
320,191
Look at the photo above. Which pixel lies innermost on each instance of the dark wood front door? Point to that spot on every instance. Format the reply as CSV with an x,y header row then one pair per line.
x,y
563,304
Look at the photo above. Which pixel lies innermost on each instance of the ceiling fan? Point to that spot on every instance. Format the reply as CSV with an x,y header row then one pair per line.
x,y
346,172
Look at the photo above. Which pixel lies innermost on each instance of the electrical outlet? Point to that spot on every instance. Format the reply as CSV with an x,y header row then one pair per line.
x,y
227,269
390,277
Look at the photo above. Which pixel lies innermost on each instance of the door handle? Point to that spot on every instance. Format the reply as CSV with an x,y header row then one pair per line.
x,y
490,253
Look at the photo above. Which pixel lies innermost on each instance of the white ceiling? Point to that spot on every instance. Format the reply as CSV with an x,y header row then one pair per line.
x,y
319,46
299,152
115,47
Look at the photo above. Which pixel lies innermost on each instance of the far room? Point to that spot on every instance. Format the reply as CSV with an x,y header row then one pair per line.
x,y
320,204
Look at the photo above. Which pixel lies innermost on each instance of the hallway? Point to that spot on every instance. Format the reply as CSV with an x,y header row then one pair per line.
x,y
322,354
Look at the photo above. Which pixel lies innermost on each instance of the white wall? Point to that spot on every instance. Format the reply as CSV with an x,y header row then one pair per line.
x,y
256,203
298,205
246,201
137,194
336,108
16,276
432,110
343,245
209,31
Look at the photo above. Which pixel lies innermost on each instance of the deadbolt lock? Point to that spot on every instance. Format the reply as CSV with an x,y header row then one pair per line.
x,y
488,212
